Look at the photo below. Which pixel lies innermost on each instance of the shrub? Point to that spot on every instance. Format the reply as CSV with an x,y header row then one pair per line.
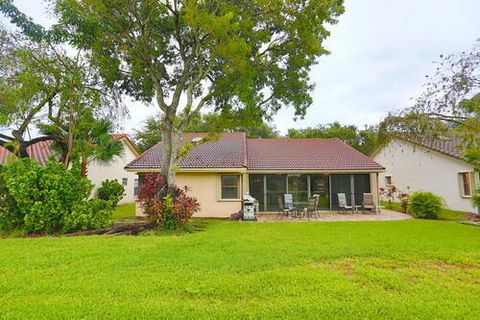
x,y
476,199
111,190
389,193
87,215
237,216
10,217
169,207
403,197
41,198
425,205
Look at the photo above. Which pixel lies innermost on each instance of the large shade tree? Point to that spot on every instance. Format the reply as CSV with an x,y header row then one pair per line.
x,y
47,86
186,55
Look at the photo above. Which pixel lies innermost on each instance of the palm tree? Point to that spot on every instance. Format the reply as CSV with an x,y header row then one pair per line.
x,y
92,141
97,144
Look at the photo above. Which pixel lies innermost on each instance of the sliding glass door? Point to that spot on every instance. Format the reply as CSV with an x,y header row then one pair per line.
x,y
276,188
319,185
268,188
257,189
297,185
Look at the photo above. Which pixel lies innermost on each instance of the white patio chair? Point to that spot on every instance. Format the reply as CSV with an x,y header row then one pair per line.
x,y
368,203
342,203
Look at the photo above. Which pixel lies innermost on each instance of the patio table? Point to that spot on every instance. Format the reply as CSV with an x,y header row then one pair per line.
x,y
356,208
299,211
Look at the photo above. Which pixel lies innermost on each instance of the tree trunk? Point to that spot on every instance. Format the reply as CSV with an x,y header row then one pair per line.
x,y
84,167
171,144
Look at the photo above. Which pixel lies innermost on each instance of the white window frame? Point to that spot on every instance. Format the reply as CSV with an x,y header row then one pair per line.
x,y
125,184
220,187
461,176
387,177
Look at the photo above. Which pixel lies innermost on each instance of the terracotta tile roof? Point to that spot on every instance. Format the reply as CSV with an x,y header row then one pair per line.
x,y
450,147
306,154
226,152
233,150
42,150
4,153
39,151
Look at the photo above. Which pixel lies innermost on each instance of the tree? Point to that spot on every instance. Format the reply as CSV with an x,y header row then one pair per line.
x,y
93,140
40,84
364,140
254,127
211,122
243,55
29,82
449,105
150,134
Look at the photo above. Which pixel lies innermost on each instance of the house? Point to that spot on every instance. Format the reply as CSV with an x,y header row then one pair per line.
x,y
97,172
437,166
219,172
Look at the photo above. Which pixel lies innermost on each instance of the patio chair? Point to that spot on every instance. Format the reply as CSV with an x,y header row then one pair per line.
x,y
282,209
342,203
288,204
368,203
312,207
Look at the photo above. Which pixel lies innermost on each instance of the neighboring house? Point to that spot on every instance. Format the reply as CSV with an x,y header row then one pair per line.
x,y
435,166
219,172
97,172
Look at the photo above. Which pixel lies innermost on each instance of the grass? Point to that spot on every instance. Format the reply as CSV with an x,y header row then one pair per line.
x,y
411,269
124,211
445,214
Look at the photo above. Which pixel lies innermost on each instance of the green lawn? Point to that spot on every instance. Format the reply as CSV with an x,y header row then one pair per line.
x,y
413,269
446,214
124,211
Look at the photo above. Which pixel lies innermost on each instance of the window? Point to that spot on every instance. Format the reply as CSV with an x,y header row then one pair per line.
x,y
135,187
125,181
465,184
230,186
388,180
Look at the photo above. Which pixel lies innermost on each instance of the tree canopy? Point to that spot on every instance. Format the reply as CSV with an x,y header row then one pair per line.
x,y
184,55
41,85
212,122
364,140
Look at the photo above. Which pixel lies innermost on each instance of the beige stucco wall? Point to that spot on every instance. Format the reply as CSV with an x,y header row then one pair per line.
x,y
422,169
206,188
97,173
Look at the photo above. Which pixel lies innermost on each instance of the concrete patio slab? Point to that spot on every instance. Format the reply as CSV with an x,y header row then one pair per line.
x,y
328,216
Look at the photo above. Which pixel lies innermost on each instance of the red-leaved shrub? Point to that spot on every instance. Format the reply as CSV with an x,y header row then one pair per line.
x,y
168,206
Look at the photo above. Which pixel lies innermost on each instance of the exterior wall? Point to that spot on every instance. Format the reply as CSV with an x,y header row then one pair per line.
x,y
205,187
422,169
98,173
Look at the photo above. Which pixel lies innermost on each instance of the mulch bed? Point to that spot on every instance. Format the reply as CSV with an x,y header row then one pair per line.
x,y
131,229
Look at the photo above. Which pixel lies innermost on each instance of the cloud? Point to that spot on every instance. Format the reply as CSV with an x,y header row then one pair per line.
x,y
380,54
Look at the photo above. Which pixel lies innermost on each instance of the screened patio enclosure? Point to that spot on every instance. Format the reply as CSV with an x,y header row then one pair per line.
x,y
267,188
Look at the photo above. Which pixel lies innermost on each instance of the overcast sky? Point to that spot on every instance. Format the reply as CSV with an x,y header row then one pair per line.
x,y
380,53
